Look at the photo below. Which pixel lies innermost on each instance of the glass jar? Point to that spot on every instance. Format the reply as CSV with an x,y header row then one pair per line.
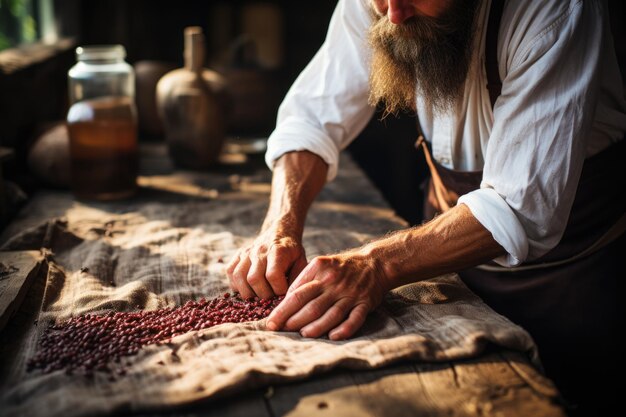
x,y
102,124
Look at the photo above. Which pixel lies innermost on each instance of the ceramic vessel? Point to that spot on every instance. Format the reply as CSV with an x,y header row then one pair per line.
x,y
192,105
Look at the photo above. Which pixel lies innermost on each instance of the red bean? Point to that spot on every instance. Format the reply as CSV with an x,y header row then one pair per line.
x,y
84,344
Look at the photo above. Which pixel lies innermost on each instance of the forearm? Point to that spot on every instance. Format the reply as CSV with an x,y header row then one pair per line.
x,y
298,178
451,242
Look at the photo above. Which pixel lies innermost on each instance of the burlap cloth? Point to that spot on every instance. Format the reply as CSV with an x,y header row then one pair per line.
x,y
153,255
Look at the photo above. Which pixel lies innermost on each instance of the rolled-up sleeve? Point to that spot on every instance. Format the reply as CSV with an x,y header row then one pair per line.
x,y
326,107
542,121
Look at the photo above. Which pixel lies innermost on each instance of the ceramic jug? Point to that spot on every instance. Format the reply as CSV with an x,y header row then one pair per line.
x,y
192,105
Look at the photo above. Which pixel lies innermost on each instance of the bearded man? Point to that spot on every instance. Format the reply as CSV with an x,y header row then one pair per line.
x,y
522,107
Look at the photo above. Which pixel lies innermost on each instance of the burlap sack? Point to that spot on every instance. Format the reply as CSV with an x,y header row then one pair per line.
x,y
154,255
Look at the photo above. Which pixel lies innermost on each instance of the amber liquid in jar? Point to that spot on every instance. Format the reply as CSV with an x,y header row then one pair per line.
x,y
103,148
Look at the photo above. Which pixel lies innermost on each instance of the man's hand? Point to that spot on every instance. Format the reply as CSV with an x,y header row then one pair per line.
x,y
267,266
333,295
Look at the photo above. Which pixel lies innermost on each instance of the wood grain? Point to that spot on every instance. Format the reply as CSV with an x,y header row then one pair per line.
x,y
490,385
17,271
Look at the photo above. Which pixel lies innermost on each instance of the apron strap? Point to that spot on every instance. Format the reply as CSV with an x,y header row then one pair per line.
x,y
441,191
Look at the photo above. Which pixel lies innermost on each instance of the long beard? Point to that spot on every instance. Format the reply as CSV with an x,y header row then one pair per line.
x,y
423,55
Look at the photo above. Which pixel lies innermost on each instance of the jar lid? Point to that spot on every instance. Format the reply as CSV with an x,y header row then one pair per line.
x,y
100,52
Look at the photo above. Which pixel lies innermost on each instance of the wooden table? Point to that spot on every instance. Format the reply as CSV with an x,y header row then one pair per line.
x,y
497,383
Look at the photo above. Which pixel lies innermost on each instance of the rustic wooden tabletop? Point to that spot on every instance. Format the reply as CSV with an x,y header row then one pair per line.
x,y
498,383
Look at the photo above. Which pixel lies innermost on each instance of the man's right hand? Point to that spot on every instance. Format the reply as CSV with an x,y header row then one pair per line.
x,y
268,265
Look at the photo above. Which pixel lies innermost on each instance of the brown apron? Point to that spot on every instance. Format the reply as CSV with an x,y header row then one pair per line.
x,y
573,311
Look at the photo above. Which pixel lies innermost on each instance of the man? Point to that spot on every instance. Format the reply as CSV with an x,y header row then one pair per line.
x,y
527,176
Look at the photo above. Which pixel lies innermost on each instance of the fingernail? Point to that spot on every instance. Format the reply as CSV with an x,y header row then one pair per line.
x,y
271,326
303,333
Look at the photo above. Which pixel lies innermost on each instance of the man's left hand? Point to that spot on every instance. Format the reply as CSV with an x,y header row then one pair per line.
x,y
333,295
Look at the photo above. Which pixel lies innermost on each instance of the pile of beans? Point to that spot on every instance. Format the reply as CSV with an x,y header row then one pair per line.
x,y
89,343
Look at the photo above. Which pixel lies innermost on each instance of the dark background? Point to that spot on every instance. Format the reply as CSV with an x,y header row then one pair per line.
x,y
152,30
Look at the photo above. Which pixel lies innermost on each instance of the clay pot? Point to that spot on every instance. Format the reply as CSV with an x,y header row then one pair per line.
x,y
191,102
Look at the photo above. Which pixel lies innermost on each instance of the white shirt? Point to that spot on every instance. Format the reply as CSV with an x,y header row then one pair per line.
x,y
562,100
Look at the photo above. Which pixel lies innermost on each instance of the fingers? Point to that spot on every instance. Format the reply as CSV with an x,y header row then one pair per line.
x,y
292,303
312,311
253,273
239,277
256,278
314,318
329,320
279,261
351,325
